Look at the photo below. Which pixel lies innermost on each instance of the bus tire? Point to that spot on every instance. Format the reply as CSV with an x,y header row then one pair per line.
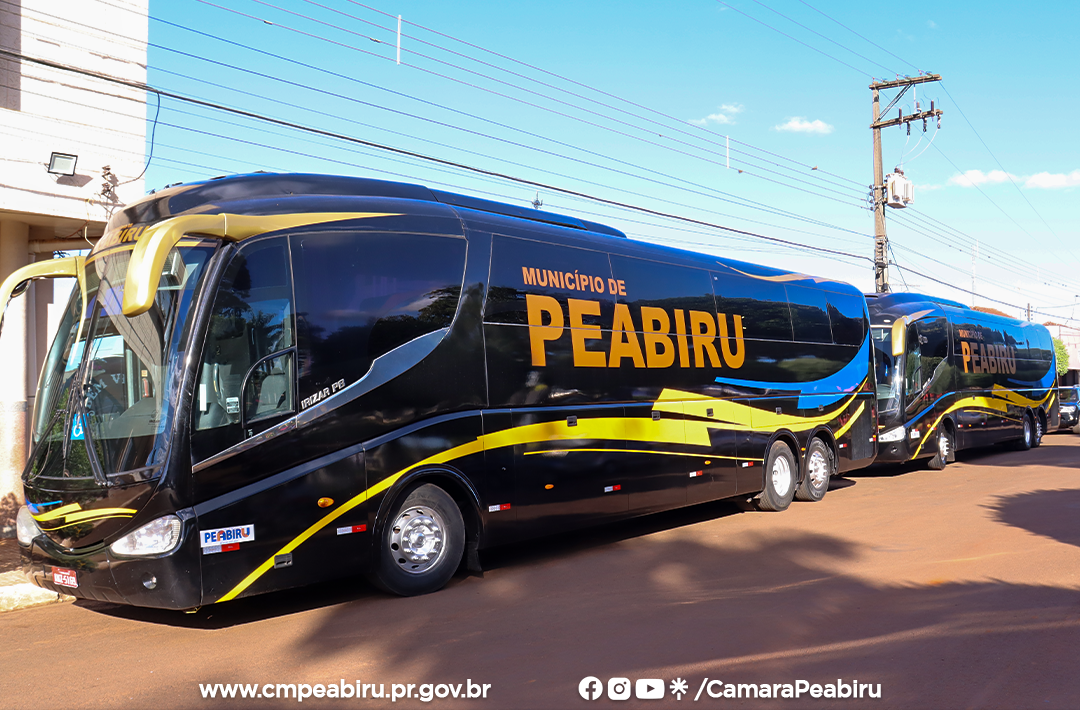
x,y
421,544
815,480
1025,441
781,476
1037,436
945,446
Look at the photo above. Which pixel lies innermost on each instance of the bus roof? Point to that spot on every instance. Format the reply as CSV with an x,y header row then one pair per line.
x,y
297,191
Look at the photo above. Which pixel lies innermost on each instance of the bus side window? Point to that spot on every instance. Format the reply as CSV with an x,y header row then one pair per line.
x,y
252,318
913,369
362,294
847,315
927,371
809,316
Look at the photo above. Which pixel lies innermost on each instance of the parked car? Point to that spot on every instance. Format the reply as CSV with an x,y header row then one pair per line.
x,y
1069,400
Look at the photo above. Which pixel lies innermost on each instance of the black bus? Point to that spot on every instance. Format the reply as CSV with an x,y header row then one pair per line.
x,y
269,380
951,378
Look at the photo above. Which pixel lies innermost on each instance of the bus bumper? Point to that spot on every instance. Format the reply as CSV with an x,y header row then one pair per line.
x,y
161,582
893,452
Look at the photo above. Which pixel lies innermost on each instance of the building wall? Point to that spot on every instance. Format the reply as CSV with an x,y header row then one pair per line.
x,y
1071,337
44,110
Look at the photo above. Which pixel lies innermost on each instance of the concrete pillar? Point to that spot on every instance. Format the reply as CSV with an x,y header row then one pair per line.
x,y
14,254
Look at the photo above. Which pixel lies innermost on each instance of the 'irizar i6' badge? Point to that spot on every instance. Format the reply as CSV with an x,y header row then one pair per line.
x,y
225,539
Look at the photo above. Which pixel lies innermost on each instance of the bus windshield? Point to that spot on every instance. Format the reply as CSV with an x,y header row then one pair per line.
x,y
108,385
889,371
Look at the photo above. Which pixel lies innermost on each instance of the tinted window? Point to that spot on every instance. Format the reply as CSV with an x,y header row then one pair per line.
x,y
1040,343
761,303
661,285
809,316
252,318
927,372
526,267
847,318
360,295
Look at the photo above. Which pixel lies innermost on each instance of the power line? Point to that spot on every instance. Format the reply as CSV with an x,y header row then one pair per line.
x,y
709,192
282,26
1002,168
789,37
890,52
697,134
834,42
590,88
409,153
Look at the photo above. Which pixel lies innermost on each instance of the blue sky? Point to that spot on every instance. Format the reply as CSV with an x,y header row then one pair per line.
x,y
640,102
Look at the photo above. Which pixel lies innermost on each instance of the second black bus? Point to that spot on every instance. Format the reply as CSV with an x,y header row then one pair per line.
x,y
951,378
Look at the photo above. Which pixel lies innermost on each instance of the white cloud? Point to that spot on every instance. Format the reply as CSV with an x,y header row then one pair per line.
x,y
1053,180
971,178
802,125
1042,180
931,24
726,116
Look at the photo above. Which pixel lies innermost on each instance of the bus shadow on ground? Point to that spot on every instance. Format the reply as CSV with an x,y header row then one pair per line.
x,y
1057,450
766,607
1051,513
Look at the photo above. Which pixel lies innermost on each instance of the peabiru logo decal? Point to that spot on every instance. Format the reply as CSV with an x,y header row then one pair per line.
x,y
222,538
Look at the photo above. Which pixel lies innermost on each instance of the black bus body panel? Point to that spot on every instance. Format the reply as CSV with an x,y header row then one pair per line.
x,y
662,385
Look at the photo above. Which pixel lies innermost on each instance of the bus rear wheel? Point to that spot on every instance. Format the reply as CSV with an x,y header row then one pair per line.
x,y
1037,438
780,478
421,544
818,472
945,446
1026,441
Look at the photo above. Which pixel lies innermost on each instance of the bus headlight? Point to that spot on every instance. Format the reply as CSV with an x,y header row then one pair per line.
x,y
153,538
25,527
897,433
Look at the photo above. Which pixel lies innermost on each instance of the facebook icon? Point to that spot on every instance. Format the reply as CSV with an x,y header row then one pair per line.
x,y
590,688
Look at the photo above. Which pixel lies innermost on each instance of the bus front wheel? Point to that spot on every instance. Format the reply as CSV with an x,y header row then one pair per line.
x,y
421,544
945,446
781,474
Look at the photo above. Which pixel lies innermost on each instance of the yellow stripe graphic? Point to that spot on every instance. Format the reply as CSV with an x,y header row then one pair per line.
x,y
58,512
999,403
855,416
681,432
643,452
748,418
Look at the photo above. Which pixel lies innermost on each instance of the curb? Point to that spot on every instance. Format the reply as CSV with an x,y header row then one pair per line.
x,y
22,595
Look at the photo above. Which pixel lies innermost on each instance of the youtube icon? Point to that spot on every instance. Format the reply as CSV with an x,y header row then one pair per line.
x,y
649,689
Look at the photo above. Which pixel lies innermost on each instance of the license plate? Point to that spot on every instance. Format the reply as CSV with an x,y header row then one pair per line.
x,y
65,577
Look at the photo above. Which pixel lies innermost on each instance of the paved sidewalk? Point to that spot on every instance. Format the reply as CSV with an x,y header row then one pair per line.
x,y
16,593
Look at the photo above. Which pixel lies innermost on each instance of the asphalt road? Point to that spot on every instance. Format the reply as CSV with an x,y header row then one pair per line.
x,y
953,589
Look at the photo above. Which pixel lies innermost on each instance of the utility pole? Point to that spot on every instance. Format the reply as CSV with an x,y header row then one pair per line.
x,y
881,242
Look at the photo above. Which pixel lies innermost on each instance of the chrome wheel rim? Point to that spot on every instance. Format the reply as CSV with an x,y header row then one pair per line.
x,y
1027,431
781,475
817,470
943,446
417,539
